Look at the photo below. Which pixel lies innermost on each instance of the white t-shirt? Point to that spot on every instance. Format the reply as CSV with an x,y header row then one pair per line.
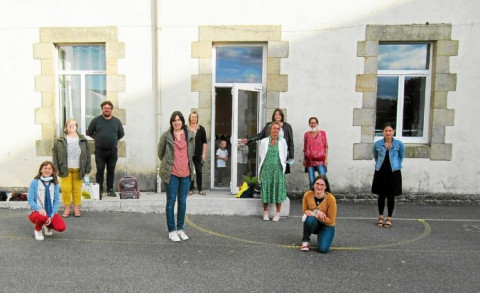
x,y
221,153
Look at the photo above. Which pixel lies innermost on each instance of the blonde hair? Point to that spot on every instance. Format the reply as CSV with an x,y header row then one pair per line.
x,y
68,121
190,116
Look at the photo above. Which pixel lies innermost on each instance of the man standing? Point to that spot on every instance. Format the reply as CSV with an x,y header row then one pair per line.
x,y
107,131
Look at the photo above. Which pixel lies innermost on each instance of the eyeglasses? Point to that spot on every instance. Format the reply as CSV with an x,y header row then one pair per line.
x,y
107,108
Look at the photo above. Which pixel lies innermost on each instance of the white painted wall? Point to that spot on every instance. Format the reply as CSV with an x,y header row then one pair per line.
x,y
321,67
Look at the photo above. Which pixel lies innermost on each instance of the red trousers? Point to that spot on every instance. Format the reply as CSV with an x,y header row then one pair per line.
x,y
56,224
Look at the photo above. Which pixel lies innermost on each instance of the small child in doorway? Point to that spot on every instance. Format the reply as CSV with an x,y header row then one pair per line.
x,y
43,198
222,159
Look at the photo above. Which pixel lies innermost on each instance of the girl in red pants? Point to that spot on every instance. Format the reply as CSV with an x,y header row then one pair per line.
x,y
43,198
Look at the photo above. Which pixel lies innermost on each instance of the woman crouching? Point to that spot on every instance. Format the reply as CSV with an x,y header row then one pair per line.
x,y
43,198
320,210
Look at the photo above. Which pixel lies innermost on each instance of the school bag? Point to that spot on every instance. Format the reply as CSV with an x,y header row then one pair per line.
x,y
18,197
128,188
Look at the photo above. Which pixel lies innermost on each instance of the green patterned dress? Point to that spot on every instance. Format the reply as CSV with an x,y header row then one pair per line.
x,y
274,189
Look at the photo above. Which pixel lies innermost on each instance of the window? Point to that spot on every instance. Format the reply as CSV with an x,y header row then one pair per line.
x,y
239,64
403,89
82,83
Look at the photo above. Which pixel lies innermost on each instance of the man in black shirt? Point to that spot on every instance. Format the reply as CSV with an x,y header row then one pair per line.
x,y
107,130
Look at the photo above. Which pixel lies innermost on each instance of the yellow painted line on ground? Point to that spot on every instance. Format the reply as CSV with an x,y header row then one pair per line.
x,y
426,232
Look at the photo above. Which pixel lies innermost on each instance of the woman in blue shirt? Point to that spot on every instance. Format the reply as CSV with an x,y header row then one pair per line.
x,y
387,180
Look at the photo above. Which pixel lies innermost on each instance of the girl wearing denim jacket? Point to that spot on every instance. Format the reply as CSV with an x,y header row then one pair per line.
x,y
387,180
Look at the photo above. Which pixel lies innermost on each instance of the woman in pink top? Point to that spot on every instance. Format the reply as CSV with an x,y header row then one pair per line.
x,y
315,151
175,150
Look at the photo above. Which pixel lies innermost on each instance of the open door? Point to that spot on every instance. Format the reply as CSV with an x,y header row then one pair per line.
x,y
246,115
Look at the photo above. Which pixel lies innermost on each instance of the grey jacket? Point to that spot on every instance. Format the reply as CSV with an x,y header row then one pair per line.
x,y
60,156
166,154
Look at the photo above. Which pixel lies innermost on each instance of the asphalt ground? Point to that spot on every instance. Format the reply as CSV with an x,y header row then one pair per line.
x,y
429,248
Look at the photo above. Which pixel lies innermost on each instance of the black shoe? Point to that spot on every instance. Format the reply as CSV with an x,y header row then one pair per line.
x,y
111,193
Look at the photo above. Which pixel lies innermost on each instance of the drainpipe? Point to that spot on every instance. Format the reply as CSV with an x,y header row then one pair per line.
x,y
156,83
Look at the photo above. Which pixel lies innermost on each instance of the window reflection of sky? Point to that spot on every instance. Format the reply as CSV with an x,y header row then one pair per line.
x,y
239,64
387,87
403,56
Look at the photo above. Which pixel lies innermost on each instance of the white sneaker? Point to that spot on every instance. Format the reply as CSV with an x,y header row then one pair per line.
x,y
174,236
38,235
305,246
48,231
265,217
182,235
276,218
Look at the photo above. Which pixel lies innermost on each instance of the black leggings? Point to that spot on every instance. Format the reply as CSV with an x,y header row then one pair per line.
x,y
198,170
390,204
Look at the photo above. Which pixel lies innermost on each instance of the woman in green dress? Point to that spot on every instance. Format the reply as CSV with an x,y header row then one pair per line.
x,y
273,161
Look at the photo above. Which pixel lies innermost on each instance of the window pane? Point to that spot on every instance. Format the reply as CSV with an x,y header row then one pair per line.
x,y
82,57
239,64
403,56
70,99
95,94
387,98
414,106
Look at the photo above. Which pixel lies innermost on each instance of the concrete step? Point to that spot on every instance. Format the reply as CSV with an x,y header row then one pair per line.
x,y
214,203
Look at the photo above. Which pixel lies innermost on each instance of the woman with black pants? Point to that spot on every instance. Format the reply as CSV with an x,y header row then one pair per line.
x,y
200,150
387,180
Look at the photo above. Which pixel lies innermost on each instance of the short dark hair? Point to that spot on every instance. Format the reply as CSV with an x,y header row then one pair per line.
x,y
279,112
388,124
312,118
324,178
106,103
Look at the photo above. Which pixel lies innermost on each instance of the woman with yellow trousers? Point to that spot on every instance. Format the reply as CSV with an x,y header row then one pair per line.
x,y
71,157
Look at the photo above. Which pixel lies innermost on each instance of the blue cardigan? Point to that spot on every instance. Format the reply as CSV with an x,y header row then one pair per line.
x,y
33,197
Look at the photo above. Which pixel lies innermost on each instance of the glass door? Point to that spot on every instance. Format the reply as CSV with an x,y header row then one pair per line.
x,y
246,109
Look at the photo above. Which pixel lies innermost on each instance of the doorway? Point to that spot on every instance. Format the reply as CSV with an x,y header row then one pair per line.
x,y
237,115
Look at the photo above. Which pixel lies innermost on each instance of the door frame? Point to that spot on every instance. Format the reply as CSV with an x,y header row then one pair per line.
x,y
261,107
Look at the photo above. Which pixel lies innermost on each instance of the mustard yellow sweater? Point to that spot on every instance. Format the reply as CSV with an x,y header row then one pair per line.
x,y
327,206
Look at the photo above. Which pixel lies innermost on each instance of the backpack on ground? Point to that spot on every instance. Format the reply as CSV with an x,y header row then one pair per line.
x,y
18,197
128,188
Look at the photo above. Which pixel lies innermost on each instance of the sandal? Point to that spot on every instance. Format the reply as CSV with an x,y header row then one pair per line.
x,y
76,212
380,222
388,223
66,212
201,192
190,192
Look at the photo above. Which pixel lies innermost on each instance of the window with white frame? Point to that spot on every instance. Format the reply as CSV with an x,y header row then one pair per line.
x,y
403,90
81,83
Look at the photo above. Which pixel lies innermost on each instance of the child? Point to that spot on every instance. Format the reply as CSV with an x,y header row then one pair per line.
x,y
43,198
222,158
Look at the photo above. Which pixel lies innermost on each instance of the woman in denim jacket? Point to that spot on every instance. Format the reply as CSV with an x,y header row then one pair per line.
x,y
387,180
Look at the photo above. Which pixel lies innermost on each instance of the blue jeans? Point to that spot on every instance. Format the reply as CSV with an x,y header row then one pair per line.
x,y
324,233
177,186
311,173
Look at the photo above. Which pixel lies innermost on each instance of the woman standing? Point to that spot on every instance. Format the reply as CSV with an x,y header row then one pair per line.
x,y
273,157
71,157
315,150
43,198
200,150
285,132
175,150
320,209
387,180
